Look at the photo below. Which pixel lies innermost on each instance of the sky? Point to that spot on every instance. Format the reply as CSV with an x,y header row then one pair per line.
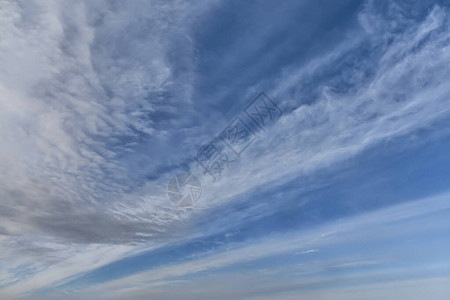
x,y
213,149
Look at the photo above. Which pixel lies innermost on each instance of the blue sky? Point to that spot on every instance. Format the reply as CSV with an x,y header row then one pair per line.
x,y
345,195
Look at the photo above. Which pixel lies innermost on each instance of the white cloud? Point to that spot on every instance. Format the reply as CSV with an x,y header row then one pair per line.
x,y
75,81
72,84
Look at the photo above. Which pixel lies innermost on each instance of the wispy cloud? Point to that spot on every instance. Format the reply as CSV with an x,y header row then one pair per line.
x,y
393,223
101,103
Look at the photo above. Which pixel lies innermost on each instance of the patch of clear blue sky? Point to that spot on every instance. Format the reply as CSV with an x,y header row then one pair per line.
x,y
245,43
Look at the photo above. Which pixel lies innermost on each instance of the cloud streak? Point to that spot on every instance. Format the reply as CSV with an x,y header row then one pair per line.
x,y
101,103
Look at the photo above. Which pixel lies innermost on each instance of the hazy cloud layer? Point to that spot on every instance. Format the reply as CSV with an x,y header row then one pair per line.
x,y
102,102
